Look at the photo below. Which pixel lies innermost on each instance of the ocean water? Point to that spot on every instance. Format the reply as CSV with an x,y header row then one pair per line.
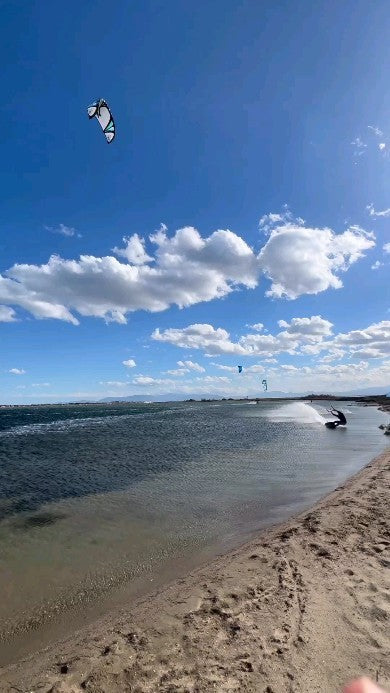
x,y
101,503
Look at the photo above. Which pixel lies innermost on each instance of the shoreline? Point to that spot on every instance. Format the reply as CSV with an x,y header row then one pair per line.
x,y
302,607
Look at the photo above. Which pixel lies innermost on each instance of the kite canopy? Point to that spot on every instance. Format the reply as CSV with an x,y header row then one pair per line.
x,y
264,384
100,110
239,369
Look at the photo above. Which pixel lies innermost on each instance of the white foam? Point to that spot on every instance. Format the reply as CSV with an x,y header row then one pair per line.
x,y
296,411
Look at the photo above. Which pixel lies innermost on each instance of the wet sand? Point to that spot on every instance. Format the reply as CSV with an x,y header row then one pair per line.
x,y
303,608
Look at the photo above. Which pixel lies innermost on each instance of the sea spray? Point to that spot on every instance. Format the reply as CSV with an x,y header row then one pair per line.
x,y
299,412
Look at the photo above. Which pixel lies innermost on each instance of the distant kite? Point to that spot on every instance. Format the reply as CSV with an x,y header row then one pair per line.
x,y
264,384
100,110
239,369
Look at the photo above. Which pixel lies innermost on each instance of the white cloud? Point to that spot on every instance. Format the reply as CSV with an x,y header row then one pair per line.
x,y
374,213
214,379
315,326
386,248
114,383
309,336
333,355
271,220
40,385
382,145
191,365
257,368
229,369
375,130
300,260
7,314
134,250
359,146
258,326
150,381
63,230
375,338
178,371
217,341
200,336
376,265
186,269
17,371
130,363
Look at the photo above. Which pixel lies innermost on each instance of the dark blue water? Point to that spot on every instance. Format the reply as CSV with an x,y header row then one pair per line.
x,y
94,498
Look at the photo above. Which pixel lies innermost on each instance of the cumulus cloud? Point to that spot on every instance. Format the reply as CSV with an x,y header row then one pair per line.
x,y
376,213
300,260
315,326
272,220
63,230
129,363
134,250
217,340
333,355
382,146
258,326
7,314
17,371
200,336
191,365
185,269
373,340
309,336
376,265
386,248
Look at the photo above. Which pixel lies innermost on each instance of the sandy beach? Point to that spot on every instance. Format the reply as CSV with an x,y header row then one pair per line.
x,y
304,607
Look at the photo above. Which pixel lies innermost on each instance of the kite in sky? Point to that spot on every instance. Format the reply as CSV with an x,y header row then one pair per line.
x,y
239,369
264,384
100,110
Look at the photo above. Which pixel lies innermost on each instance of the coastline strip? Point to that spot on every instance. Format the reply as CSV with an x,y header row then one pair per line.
x,y
304,607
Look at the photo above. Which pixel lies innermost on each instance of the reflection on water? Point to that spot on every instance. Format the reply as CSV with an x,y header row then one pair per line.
x,y
98,501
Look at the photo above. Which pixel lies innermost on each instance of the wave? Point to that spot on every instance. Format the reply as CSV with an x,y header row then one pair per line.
x,y
65,425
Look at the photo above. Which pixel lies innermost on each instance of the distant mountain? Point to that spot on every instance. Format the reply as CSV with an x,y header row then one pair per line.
x,y
365,392
178,397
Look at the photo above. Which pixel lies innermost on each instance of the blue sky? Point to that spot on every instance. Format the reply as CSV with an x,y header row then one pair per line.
x,y
226,112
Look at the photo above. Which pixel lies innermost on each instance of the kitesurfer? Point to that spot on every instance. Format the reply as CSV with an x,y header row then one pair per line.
x,y
341,419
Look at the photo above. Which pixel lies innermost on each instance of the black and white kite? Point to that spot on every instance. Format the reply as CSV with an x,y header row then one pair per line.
x,y
100,110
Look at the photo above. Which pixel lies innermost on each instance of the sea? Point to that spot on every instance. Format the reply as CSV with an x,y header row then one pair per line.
x,y
104,503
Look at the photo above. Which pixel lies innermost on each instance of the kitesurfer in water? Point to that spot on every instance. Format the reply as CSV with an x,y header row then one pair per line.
x,y
341,419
